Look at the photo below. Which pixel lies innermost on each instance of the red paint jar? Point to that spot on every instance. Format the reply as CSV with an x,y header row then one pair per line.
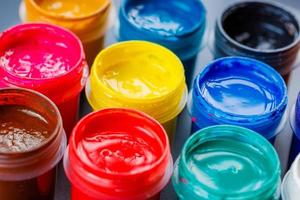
x,y
118,154
32,142
47,59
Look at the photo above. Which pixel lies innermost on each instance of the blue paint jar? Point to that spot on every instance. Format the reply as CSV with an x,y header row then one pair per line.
x,y
176,24
295,125
239,91
266,31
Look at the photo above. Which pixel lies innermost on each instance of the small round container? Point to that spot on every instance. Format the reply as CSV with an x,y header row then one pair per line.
x,y
118,154
47,59
176,24
139,75
227,162
290,189
239,91
87,19
32,142
265,31
295,125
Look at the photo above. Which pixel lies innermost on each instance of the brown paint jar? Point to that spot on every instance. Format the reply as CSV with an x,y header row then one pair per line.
x,y
32,142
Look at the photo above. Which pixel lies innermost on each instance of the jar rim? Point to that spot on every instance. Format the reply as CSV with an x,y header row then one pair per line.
x,y
50,27
243,133
275,5
234,116
296,170
163,161
177,92
53,145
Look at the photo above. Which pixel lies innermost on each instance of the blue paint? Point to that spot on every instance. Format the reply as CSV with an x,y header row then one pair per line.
x,y
238,91
176,24
295,125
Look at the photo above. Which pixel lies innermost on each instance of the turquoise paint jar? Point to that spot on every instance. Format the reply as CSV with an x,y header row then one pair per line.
x,y
176,24
239,91
229,163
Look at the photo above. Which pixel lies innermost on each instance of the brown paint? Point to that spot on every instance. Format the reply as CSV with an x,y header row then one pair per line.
x,y
31,135
22,129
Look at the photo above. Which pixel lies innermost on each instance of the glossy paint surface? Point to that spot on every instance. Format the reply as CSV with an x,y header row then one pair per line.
x,y
238,91
229,166
230,87
70,8
166,18
125,149
219,163
22,129
37,54
118,151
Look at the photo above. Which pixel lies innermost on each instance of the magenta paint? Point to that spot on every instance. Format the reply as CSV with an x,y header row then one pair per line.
x,y
48,59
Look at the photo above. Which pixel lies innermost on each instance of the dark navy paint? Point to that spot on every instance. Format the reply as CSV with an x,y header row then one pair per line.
x,y
266,31
295,124
239,91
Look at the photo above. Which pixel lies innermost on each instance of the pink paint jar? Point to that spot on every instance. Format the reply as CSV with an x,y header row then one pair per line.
x,y
118,154
48,59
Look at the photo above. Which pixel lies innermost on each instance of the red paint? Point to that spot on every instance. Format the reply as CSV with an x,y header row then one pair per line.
x,y
126,152
47,59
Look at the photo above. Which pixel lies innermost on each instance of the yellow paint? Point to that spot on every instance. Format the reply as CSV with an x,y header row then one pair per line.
x,y
139,75
70,8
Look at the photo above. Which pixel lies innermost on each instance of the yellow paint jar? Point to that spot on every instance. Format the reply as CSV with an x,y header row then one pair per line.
x,y
139,75
87,19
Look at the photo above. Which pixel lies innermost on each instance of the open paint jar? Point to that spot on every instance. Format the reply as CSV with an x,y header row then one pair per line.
x,y
290,189
262,30
118,154
87,19
47,59
227,162
32,142
176,24
239,91
142,76
295,125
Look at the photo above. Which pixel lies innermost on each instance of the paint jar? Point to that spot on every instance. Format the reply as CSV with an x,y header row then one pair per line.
x,y
32,142
118,154
227,162
87,19
290,189
176,24
139,75
47,59
265,31
295,126
239,91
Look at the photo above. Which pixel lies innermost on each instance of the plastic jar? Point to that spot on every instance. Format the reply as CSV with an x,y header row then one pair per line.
x,y
290,189
266,31
47,59
87,19
142,76
176,24
239,91
32,142
227,162
118,154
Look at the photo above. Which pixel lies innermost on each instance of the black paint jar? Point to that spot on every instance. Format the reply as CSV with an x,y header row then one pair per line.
x,y
260,30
